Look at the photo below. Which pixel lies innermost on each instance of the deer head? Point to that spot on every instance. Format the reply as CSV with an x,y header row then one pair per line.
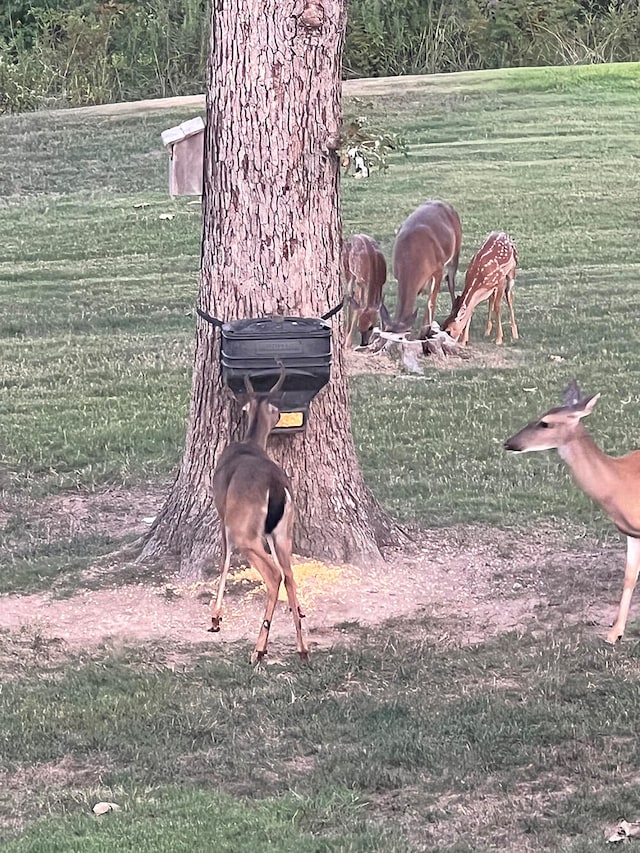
x,y
557,427
457,320
262,412
367,317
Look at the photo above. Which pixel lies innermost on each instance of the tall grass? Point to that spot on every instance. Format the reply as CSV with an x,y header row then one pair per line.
x,y
71,52
91,53
595,40
387,37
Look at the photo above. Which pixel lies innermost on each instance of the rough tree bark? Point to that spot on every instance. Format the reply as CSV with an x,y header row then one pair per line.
x,y
271,245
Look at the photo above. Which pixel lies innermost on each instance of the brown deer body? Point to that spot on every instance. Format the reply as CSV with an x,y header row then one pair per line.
x,y
253,497
365,270
426,249
613,482
490,275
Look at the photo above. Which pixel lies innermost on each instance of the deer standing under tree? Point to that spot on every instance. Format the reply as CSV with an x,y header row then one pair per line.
x,y
253,497
426,249
612,481
271,247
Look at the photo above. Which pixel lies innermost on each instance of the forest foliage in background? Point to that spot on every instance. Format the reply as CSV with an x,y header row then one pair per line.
x,y
74,52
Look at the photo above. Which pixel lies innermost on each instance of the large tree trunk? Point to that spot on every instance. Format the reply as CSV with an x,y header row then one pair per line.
x,y
271,245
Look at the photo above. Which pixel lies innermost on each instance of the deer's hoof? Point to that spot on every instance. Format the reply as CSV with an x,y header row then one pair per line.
x,y
215,625
304,656
258,657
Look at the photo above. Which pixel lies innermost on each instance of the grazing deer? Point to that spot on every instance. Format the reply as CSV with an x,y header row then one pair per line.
x,y
491,275
427,248
613,482
254,500
365,270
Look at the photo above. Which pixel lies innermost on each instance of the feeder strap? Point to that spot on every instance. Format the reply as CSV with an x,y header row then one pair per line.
x,y
333,311
220,323
213,320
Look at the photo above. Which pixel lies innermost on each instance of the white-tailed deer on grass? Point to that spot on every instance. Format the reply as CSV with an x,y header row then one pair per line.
x,y
612,481
254,500
365,270
427,248
490,275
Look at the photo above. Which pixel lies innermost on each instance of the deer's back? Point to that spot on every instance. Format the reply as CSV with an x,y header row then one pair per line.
x,y
492,262
426,241
246,474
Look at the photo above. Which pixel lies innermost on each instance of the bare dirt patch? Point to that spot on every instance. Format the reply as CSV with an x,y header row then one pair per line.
x,y
478,355
471,583
41,784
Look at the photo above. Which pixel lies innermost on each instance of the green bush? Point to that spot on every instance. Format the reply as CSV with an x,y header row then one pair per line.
x,y
562,32
71,52
87,53
514,29
387,37
161,48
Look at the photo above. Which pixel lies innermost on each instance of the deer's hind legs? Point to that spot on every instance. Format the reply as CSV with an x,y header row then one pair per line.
x,y
272,578
216,605
280,546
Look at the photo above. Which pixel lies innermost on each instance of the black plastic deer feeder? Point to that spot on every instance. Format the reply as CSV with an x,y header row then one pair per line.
x,y
256,348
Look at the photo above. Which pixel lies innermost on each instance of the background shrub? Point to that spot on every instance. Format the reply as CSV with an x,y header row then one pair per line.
x,y
87,53
70,52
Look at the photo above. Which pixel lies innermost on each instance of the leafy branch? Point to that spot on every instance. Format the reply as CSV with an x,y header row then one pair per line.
x,y
365,147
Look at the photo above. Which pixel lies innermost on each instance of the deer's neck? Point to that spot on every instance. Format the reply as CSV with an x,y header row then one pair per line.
x,y
602,477
257,433
590,466
474,295
406,302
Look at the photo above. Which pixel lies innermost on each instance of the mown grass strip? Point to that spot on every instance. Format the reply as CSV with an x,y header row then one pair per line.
x,y
393,717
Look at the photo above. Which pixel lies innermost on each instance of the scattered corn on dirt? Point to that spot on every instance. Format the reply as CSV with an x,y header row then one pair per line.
x,y
314,580
469,590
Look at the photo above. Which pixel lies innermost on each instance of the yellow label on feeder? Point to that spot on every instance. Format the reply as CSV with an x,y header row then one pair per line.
x,y
290,419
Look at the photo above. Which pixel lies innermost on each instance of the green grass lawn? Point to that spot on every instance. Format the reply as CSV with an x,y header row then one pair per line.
x,y
394,742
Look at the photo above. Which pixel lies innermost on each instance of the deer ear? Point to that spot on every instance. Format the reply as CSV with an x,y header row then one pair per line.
x,y
245,408
588,405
